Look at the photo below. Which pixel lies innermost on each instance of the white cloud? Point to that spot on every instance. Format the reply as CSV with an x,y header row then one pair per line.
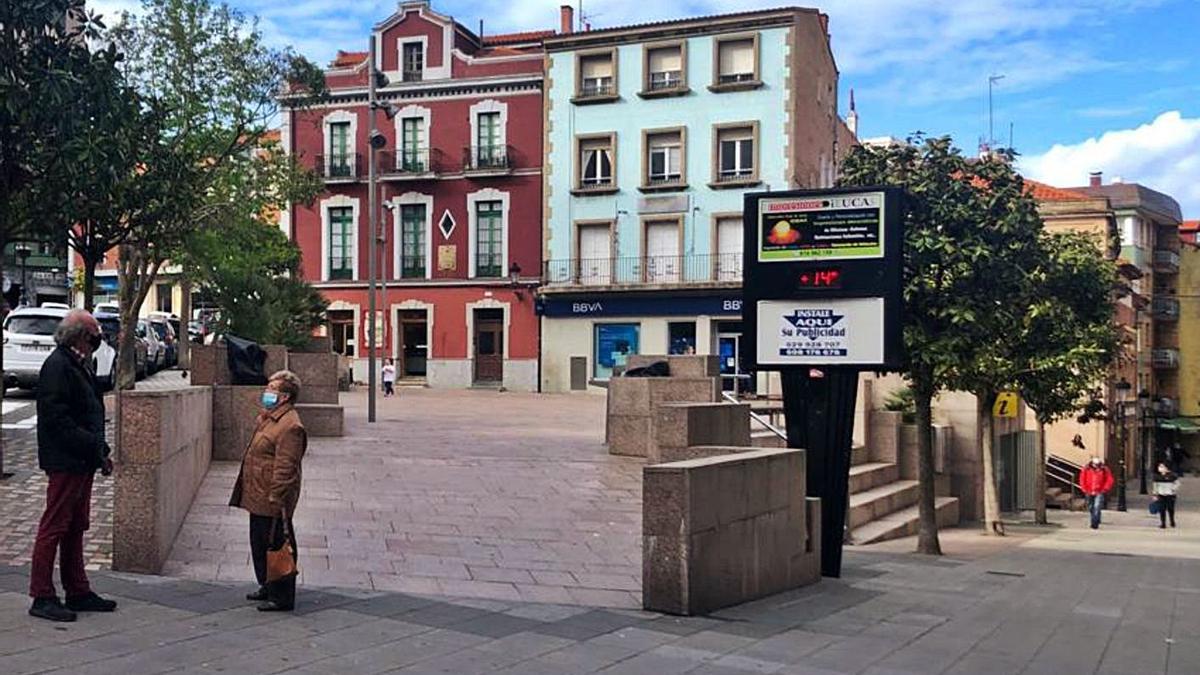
x,y
1163,155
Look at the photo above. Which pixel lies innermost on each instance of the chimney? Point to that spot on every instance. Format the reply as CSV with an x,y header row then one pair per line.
x,y
566,19
1095,179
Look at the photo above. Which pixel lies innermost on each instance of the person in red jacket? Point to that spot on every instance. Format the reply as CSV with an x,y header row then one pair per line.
x,y
1095,480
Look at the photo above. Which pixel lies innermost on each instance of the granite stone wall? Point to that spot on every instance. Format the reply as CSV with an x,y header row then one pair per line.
x,y
632,405
165,442
722,530
680,426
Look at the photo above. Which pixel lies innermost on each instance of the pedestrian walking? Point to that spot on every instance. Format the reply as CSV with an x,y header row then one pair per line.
x,y
1095,480
71,447
389,377
1166,488
268,487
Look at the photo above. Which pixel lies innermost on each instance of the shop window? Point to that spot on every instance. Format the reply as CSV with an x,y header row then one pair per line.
x,y
681,336
613,344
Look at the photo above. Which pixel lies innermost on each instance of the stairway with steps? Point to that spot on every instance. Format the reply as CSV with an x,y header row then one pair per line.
x,y
882,505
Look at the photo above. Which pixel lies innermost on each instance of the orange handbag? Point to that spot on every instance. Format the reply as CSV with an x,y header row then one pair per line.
x,y
281,562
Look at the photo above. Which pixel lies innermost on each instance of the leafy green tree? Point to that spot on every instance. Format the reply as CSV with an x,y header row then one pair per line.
x,y
1068,336
218,82
944,242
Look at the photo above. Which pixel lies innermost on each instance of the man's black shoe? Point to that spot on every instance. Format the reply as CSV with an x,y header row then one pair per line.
x,y
272,606
257,596
90,603
51,609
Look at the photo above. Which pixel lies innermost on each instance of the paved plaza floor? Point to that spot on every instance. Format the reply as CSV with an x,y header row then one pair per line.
x,y
466,493
478,532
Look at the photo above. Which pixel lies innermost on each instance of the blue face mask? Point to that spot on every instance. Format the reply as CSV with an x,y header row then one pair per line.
x,y
270,399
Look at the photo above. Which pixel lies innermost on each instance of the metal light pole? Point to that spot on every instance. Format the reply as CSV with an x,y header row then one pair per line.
x,y
371,223
993,79
1144,430
1123,388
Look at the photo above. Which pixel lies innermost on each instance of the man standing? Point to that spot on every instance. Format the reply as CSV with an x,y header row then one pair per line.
x,y
1095,480
71,447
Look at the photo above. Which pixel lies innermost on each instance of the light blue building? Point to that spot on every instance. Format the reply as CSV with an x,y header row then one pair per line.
x,y
653,135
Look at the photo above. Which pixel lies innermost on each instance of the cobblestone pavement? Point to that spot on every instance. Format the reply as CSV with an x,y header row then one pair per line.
x,y
461,493
1022,610
23,495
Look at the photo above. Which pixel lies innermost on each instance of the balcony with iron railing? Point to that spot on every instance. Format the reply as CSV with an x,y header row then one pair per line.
x,y
1165,309
487,159
596,90
1164,359
409,164
1166,261
734,177
340,168
667,270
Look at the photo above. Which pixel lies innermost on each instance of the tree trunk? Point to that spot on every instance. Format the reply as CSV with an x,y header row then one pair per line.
x,y
184,339
89,283
126,291
991,496
927,529
1039,488
3,385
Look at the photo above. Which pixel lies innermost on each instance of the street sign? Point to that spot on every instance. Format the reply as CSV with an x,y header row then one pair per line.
x,y
822,279
1006,404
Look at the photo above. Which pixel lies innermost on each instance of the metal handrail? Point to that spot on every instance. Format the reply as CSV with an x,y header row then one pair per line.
x,y
729,396
1065,475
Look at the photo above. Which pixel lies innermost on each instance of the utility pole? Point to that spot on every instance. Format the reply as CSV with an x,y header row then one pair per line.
x,y
992,80
372,219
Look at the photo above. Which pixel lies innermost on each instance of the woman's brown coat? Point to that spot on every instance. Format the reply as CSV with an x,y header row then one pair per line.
x,y
270,474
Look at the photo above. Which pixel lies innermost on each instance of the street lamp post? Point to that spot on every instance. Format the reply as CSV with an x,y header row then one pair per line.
x,y
1122,388
23,251
1144,431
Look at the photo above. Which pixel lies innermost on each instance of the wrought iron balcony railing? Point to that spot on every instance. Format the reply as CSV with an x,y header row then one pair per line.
x,y
348,166
645,270
487,158
410,162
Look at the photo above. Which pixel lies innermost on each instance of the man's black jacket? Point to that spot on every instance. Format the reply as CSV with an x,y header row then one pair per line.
x,y
70,410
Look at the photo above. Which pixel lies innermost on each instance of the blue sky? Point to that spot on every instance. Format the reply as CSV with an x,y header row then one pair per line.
x,y
1110,85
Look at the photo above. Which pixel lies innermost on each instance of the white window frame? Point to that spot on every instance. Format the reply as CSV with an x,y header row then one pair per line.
x,y
422,40
339,201
410,112
487,195
651,147
411,199
337,117
490,105
610,146
737,135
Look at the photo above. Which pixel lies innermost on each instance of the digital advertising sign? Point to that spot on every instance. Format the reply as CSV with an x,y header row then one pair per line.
x,y
823,277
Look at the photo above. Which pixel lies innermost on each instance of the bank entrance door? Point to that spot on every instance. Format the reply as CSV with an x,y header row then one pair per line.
x,y
489,346
341,331
729,342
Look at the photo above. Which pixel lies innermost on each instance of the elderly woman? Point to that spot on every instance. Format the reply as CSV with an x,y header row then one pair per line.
x,y
268,486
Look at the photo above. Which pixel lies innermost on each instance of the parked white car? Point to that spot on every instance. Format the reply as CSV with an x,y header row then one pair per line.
x,y
29,339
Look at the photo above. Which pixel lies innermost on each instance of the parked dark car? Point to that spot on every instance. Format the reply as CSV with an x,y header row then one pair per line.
x,y
110,324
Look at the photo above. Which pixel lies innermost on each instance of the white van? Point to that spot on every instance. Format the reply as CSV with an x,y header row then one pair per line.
x,y
29,339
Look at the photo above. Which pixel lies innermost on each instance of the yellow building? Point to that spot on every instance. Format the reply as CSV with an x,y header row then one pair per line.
x,y
1188,423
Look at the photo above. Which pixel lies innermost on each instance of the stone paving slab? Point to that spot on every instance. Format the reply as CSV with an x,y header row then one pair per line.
x,y
1059,611
502,496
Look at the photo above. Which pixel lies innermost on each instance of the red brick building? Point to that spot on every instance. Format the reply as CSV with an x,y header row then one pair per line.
x,y
460,189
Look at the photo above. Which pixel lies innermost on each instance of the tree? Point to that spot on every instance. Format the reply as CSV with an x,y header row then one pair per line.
x,y
1068,335
944,241
208,66
43,55
1003,290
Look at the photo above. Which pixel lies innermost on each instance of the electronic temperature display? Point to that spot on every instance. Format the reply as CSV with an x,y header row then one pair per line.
x,y
827,277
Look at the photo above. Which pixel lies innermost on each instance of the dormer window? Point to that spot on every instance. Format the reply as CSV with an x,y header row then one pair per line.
x,y
412,61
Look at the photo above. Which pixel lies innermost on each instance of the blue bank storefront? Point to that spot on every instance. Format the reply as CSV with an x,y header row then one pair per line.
x,y
585,336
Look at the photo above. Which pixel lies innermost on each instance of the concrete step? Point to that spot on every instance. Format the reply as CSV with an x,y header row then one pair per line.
x,y
762,438
859,455
871,475
878,502
903,523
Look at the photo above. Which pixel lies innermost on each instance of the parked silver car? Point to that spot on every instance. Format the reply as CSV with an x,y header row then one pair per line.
x,y
156,351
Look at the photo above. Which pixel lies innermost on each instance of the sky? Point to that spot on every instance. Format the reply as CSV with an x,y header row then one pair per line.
x,y
1088,85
